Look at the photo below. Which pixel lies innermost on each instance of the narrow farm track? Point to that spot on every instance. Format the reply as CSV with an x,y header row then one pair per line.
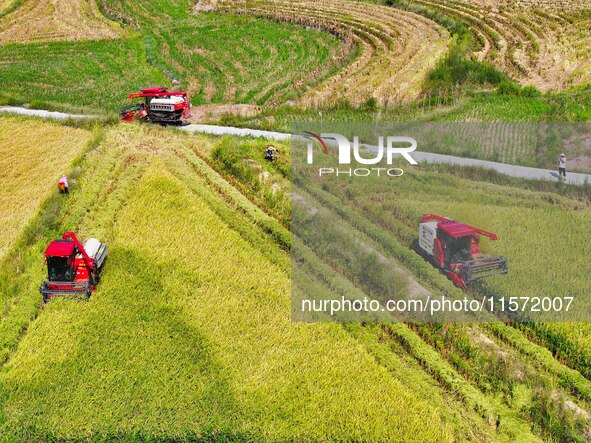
x,y
396,48
540,43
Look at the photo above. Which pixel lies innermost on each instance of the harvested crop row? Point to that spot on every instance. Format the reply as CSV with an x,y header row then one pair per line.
x,y
56,20
538,44
397,48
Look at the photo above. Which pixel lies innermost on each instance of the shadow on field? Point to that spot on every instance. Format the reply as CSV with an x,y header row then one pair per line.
x,y
130,368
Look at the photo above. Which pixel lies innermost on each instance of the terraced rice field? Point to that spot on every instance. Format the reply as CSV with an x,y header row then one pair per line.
x,y
395,48
540,43
49,20
217,58
228,58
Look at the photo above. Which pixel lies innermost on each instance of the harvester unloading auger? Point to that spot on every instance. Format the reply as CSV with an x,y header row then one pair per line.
x,y
73,268
453,247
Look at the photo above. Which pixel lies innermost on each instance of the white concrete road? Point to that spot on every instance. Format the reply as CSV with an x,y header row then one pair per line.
x,y
428,157
42,113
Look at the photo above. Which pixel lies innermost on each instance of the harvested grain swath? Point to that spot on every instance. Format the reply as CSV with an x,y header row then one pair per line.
x,y
397,48
56,20
540,43
33,156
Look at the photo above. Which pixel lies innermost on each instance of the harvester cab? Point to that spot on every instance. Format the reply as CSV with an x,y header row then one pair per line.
x,y
159,106
73,269
453,247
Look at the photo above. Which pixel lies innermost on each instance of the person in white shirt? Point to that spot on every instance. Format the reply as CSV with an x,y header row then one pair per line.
x,y
562,166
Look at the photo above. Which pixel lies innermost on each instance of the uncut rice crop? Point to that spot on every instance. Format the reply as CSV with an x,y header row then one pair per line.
x,y
190,327
33,156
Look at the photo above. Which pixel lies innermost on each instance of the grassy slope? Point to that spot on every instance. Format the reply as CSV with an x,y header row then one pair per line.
x,y
190,329
33,156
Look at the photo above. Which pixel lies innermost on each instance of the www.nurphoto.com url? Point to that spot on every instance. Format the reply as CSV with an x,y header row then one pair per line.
x,y
435,305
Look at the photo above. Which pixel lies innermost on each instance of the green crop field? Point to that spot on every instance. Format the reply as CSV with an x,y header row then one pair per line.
x,y
216,58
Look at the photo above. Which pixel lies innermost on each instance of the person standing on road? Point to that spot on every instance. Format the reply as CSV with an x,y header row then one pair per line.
x,y
562,166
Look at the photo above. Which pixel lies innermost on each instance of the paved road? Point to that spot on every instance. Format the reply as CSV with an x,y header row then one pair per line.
x,y
428,157
42,113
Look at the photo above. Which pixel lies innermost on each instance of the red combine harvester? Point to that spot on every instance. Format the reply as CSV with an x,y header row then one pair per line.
x,y
453,248
72,268
159,106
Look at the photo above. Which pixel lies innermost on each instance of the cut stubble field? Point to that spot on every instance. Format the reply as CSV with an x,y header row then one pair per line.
x,y
55,20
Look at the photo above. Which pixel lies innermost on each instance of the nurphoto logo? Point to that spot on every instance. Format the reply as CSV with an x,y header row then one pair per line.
x,y
387,148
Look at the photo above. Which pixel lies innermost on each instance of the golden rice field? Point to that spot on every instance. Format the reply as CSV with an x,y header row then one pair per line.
x,y
48,20
190,326
33,156
541,42
396,48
